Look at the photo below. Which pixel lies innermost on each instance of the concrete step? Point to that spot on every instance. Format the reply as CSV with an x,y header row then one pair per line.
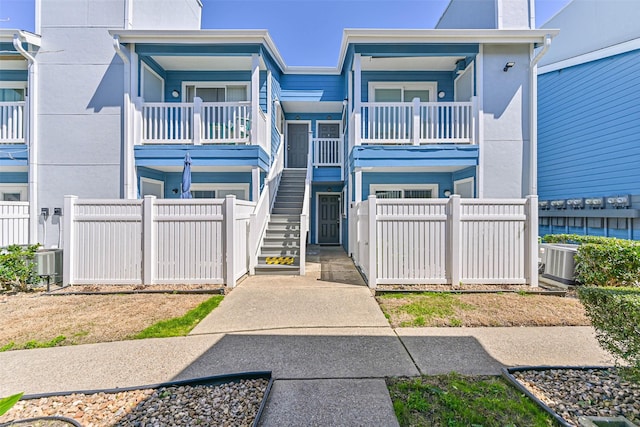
x,y
282,244
267,252
281,234
287,211
280,227
277,270
285,205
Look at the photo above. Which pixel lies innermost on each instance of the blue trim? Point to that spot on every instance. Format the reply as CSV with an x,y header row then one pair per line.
x,y
413,156
199,50
14,177
14,155
14,75
326,174
203,155
393,50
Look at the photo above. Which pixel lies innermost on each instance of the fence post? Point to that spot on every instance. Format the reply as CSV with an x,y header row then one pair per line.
x,y
68,240
149,241
415,132
230,222
197,110
454,266
373,243
531,241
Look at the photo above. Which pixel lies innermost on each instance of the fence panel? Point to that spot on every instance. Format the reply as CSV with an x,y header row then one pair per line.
x,y
189,247
493,241
14,223
411,235
362,239
107,240
242,232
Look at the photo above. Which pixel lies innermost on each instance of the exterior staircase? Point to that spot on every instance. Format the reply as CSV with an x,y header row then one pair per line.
x,y
280,250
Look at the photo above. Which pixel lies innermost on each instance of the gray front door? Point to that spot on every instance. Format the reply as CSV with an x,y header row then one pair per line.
x,y
297,145
329,219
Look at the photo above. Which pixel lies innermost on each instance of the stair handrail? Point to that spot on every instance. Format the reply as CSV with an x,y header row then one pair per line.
x,y
262,212
304,216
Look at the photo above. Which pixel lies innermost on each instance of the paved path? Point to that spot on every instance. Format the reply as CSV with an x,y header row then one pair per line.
x,y
323,336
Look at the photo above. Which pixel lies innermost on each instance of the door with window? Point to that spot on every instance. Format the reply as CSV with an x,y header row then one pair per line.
x,y
329,219
394,120
297,145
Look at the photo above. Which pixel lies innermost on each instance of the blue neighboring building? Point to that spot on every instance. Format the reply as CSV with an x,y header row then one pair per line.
x,y
589,121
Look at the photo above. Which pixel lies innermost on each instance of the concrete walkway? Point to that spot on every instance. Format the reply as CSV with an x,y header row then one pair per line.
x,y
323,336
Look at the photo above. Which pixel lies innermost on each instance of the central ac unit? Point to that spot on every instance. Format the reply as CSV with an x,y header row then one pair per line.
x,y
559,263
49,265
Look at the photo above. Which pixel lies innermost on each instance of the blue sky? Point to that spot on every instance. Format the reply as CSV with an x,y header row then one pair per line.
x,y
306,32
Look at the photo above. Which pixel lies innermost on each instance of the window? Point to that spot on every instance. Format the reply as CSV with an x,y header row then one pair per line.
x,y
12,94
329,130
404,191
216,92
402,91
13,193
219,191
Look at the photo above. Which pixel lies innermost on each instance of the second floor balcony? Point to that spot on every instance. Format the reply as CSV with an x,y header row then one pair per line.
x,y
12,122
415,123
198,123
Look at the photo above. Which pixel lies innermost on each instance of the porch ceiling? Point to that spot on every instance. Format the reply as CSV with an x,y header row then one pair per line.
x,y
433,63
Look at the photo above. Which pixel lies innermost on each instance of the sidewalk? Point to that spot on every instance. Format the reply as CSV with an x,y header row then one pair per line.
x,y
328,344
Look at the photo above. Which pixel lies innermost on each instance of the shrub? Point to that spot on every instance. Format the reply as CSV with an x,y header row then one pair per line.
x,y
603,261
615,314
17,269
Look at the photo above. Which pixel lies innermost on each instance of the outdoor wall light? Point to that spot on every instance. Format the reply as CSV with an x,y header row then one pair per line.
x,y
594,202
575,203
441,94
175,191
543,204
175,93
447,193
558,204
508,65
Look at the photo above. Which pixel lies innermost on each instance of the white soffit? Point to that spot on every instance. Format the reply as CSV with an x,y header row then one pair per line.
x,y
439,63
204,63
12,63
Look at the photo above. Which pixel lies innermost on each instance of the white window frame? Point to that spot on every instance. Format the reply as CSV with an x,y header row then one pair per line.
x,y
148,68
15,85
328,122
22,189
216,85
205,186
151,181
458,182
403,187
432,87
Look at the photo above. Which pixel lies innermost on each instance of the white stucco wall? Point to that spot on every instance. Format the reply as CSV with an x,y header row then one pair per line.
x,y
506,14
166,14
589,25
506,121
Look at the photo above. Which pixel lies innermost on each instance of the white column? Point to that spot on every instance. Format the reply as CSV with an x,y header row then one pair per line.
x,y
229,221
68,240
255,98
453,261
480,135
415,132
531,241
197,110
149,243
269,115
255,184
357,95
134,126
32,144
358,185
373,243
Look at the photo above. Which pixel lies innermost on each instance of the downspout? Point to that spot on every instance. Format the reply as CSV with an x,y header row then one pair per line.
x,y
129,186
533,117
31,137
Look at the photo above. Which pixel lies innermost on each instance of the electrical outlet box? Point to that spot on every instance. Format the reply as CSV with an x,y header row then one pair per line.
x,y
57,211
44,211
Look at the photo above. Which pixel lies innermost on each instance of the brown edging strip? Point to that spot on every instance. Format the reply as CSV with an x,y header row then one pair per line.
x,y
219,291
470,291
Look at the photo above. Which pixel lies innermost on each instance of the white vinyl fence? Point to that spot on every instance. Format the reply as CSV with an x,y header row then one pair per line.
x,y
447,241
14,223
155,241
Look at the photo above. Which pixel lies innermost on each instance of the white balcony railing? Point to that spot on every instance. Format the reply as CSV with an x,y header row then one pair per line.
x,y
327,152
12,122
417,122
199,123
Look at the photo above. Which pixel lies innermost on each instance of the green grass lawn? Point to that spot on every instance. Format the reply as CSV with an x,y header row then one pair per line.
x,y
180,326
454,400
425,307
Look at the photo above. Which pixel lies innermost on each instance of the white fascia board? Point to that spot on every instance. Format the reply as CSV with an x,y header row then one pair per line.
x,y
592,56
202,37
6,35
490,36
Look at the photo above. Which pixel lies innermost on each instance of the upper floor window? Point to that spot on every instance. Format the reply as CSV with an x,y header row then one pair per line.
x,y
404,191
12,94
216,92
402,91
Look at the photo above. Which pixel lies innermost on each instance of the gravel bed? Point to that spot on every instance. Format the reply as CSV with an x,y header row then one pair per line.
x,y
584,392
229,404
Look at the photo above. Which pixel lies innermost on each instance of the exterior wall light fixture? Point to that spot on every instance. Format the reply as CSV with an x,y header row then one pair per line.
x,y
175,93
441,94
447,193
508,65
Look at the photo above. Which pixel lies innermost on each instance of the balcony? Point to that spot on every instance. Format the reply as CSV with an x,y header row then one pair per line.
x,y
328,154
199,123
12,122
415,123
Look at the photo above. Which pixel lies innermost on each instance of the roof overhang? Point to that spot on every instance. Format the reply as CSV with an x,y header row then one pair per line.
x,y
6,35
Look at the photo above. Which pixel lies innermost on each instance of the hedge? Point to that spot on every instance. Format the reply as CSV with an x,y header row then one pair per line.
x,y
615,314
17,268
603,261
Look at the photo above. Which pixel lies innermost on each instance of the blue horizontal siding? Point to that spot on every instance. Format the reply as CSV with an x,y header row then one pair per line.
x,y
197,49
173,180
588,127
312,87
326,174
414,156
13,177
391,50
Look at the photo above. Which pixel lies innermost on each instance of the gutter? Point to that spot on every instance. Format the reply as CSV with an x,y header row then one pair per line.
x,y
533,117
31,137
129,187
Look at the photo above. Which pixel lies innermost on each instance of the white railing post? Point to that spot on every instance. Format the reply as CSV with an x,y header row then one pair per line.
x,y
138,121
415,132
357,94
474,120
255,99
230,222
373,243
68,240
197,121
149,243
531,241
454,259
